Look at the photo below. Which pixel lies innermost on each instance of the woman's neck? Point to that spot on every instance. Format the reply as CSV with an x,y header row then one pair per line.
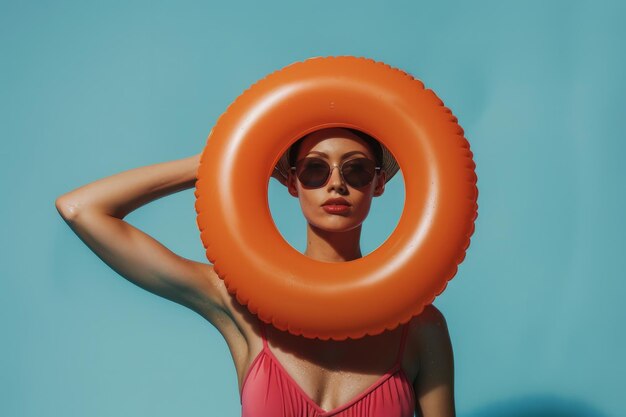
x,y
333,246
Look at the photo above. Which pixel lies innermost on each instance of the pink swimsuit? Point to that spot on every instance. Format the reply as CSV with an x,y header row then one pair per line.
x,y
269,391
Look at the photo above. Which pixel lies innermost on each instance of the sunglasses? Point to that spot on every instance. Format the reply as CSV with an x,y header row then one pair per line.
x,y
315,172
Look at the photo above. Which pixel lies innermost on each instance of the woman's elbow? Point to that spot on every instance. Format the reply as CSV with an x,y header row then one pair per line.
x,y
67,208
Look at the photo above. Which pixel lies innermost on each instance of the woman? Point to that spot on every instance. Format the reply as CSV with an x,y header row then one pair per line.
x,y
396,373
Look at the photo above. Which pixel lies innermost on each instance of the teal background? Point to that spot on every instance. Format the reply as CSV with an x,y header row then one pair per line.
x,y
89,89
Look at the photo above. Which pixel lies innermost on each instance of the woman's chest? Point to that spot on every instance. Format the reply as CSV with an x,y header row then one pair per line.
x,y
269,389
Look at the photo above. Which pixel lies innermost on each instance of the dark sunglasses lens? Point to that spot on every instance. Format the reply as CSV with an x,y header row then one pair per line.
x,y
359,172
312,172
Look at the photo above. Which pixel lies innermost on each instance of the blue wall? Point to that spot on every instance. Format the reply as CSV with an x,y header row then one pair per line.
x,y
88,90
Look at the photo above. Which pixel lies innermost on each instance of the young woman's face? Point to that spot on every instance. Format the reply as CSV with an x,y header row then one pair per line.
x,y
332,145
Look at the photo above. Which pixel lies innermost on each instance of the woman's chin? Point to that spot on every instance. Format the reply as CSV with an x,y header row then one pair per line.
x,y
336,225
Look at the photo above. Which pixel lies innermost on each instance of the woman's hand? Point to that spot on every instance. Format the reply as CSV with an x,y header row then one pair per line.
x,y
195,161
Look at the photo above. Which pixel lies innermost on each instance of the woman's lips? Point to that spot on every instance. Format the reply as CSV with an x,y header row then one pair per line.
x,y
336,208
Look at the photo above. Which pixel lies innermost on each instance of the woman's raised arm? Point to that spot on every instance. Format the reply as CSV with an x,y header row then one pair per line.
x,y
95,213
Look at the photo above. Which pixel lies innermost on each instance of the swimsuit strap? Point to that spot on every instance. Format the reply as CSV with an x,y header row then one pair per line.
x,y
263,335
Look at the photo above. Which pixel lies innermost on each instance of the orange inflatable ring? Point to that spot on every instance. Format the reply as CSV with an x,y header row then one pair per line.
x,y
336,300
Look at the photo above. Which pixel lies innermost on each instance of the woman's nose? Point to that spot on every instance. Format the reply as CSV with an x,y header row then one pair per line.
x,y
335,177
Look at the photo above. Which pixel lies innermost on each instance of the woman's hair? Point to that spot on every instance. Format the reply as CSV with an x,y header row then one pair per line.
x,y
374,145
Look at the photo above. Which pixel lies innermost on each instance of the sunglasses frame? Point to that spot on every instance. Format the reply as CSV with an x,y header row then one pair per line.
x,y
330,172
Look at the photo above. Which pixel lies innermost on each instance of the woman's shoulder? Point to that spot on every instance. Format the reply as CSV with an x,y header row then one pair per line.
x,y
428,330
431,315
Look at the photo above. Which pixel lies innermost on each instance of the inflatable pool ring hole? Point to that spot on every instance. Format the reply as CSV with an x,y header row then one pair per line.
x,y
336,300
